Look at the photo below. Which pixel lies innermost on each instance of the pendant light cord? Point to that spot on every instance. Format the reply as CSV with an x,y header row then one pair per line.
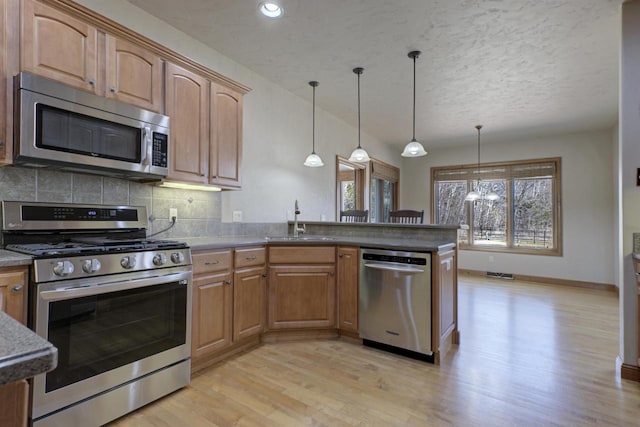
x,y
358,73
478,170
313,125
414,98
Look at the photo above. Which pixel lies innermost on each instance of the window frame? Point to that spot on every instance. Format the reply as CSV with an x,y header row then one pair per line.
x,y
472,169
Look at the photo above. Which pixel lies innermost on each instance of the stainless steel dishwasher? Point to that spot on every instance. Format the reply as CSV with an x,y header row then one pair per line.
x,y
395,299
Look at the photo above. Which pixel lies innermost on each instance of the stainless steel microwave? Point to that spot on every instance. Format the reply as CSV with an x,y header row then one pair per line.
x,y
62,127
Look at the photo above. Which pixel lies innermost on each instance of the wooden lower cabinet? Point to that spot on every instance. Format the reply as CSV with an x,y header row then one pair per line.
x,y
348,266
249,302
444,301
212,314
13,404
13,292
302,296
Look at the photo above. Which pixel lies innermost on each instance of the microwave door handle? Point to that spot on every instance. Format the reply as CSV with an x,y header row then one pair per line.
x,y
146,135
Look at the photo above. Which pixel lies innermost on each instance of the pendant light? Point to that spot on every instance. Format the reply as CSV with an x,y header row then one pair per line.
x,y
475,195
359,155
313,160
414,148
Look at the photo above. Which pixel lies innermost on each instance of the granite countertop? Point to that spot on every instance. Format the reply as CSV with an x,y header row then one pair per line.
x,y
204,243
23,354
11,259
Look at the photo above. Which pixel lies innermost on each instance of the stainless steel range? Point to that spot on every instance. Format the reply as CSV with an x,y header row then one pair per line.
x,y
116,305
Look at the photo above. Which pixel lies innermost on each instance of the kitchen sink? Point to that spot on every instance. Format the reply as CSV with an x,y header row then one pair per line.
x,y
301,238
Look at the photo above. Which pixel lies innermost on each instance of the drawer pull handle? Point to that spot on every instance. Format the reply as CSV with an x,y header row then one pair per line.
x,y
92,82
16,288
250,258
212,262
227,282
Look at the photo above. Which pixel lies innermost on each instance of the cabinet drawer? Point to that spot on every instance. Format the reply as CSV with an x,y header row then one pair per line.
x,y
209,261
302,255
247,257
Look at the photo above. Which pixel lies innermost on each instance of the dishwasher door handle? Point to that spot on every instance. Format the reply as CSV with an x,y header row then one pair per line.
x,y
388,267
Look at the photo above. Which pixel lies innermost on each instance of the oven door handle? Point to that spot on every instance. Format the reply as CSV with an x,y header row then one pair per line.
x,y
394,267
96,287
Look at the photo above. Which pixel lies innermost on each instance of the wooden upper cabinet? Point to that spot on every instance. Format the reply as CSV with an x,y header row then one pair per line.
x,y
13,292
187,104
134,74
226,136
59,47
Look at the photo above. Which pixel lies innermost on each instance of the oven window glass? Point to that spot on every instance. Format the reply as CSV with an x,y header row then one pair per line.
x,y
95,334
71,132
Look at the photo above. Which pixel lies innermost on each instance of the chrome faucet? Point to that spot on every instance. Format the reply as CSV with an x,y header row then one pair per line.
x,y
297,230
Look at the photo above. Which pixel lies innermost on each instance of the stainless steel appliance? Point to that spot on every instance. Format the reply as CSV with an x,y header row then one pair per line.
x,y
116,305
395,299
66,128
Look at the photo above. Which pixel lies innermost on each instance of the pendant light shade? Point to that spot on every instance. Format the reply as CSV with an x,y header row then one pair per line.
x,y
313,160
475,195
414,148
359,155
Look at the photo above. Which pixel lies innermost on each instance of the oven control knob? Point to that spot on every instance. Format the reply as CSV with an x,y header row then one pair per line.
x,y
63,268
91,266
177,257
159,259
128,262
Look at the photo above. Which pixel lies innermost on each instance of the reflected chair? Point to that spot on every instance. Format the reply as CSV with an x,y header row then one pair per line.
x,y
354,216
406,217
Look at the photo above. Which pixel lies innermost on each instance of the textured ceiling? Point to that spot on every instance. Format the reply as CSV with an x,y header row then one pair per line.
x,y
521,68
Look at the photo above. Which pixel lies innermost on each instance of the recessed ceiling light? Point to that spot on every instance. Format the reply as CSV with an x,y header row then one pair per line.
x,y
272,10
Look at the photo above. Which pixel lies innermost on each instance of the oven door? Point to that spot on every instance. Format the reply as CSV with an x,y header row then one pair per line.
x,y
110,331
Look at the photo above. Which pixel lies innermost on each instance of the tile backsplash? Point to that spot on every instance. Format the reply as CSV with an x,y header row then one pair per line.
x,y
199,212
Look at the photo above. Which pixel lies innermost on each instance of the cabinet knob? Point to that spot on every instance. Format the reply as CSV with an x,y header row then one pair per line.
x,y
340,255
214,176
16,288
332,274
227,282
264,274
114,89
92,82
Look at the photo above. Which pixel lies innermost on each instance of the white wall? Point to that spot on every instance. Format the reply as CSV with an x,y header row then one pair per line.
x,y
277,130
588,211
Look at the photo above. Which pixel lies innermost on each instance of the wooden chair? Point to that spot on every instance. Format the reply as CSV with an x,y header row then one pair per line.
x,y
354,216
406,217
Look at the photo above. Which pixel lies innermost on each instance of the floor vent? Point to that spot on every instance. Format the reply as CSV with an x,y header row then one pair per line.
x,y
496,275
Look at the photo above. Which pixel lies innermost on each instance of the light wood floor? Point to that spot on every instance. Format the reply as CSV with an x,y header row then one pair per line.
x,y
531,355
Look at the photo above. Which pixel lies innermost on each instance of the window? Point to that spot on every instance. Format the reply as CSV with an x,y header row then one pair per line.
x,y
384,190
350,185
526,216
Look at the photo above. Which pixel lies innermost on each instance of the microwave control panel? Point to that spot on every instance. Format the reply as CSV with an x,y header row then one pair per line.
x,y
160,144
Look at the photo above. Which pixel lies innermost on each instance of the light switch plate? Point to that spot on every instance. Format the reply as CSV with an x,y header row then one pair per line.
x,y
237,216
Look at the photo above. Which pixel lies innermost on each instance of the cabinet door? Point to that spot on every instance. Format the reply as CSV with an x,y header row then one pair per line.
x,y
134,75
226,136
59,47
302,296
13,292
14,398
348,288
249,287
211,326
187,104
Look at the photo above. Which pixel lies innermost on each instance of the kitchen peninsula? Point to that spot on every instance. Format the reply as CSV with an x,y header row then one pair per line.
x,y
249,290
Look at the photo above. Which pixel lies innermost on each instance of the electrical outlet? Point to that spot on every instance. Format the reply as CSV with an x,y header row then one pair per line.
x,y
237,216
173,212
